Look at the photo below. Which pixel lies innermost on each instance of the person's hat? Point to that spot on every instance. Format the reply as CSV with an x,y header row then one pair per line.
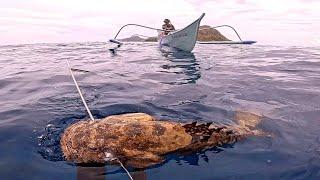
x,y
166,20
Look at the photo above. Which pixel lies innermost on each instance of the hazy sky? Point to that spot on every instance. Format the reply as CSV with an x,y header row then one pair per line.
x,y
290,22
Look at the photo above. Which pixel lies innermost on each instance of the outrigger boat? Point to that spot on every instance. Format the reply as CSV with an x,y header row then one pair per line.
x,y
183,39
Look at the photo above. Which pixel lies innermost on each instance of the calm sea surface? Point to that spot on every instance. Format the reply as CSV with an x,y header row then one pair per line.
x,y
38,100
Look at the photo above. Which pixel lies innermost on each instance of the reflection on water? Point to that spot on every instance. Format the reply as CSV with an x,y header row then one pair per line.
x,y
90,173
100,173
181,62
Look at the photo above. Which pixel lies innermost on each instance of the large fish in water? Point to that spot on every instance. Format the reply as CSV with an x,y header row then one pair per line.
x,y
139,140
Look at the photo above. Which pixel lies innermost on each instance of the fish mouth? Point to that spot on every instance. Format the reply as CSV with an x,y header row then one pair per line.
x,y
109,157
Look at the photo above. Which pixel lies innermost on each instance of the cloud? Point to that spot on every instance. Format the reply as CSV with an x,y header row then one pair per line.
x,y
21,21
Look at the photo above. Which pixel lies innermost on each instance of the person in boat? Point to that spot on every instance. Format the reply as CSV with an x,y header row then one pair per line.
x,y
167,26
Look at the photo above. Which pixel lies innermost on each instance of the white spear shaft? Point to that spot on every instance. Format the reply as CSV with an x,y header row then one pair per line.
x,y
79,91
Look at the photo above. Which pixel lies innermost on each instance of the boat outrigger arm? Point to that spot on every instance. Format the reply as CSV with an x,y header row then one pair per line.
x,y
226,42
119,44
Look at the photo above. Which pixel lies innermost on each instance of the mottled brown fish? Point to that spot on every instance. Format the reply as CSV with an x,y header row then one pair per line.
x,y
139,140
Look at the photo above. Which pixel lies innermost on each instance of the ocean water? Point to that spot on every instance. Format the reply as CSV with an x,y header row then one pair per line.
x,y
38,100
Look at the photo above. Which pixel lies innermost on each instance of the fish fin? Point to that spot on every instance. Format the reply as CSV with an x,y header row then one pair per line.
x,y
248,122
201,132
144,161
247,119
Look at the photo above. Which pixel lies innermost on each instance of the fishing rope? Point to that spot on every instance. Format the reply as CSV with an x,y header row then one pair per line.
x,y
88,110
125,169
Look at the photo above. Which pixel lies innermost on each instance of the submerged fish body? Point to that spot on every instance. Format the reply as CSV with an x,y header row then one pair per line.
x,y
139,140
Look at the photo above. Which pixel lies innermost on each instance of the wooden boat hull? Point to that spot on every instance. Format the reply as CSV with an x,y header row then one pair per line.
x,y
183,39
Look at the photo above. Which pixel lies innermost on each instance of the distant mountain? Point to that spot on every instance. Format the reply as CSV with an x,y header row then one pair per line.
x,y
152,39
134,38
206,33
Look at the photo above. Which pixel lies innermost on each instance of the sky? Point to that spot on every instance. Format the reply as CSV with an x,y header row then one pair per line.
x,y
285,22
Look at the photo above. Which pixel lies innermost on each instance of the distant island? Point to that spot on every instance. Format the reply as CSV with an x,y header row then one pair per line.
x,y
206,33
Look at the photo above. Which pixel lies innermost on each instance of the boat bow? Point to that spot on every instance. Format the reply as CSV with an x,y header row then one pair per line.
x,y
183,39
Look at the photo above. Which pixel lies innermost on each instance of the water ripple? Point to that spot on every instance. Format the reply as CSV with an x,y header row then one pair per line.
x,y
38,101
